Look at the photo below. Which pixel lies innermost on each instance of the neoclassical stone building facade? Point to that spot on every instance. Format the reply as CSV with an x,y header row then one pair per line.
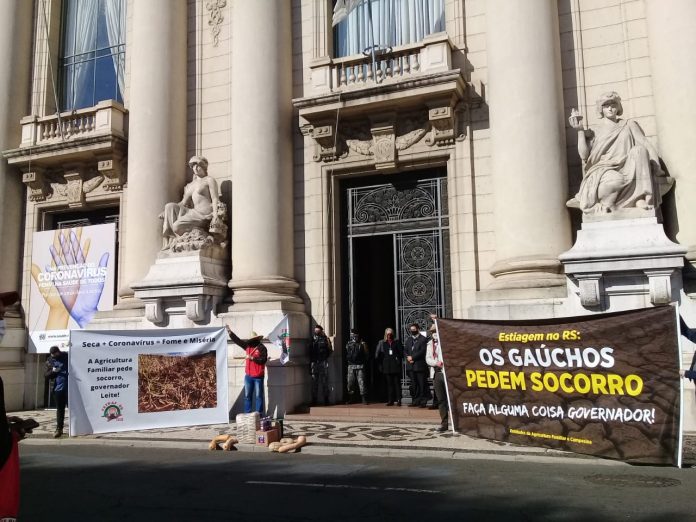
x,y
372,177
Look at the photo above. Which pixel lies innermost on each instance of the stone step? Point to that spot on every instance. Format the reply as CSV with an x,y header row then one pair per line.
x,y
368,413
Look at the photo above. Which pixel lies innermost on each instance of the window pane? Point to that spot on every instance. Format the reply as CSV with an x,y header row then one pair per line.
x,y
86,25
105,79
67,88
69,26
388,23
102,30
84,85
93,32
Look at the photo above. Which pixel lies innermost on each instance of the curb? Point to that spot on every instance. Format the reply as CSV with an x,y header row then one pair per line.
x,y
314,448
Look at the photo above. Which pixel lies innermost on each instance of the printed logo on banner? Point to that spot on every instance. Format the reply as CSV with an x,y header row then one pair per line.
x,y
112,411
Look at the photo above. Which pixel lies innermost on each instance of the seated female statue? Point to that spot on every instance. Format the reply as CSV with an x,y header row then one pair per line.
x,y
620,162
197,207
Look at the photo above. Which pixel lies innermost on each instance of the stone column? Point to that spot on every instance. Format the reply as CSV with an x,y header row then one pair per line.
x,y
15,75
672,43
157,130
262,163
528,162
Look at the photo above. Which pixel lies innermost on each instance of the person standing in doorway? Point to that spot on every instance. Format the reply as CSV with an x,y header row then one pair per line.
x,y
357,353
319,354
414,350
433,357
256,357
57,370
390,356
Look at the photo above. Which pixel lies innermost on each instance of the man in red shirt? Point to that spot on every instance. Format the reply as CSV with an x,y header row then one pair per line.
x,y
254,368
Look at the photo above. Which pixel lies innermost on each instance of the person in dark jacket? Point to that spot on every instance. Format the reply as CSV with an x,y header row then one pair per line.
x,y
57,369
254,368
389,355
319,352
415,349
357,354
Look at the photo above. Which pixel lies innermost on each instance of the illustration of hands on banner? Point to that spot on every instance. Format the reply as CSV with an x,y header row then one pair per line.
x,y
71,285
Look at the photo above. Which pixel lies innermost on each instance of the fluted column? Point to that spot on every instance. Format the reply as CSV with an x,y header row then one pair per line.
x,y
15,75
528,160
157,130
672,41
262,164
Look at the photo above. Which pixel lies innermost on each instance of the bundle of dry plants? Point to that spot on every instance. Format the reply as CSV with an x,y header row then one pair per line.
x,y
176,382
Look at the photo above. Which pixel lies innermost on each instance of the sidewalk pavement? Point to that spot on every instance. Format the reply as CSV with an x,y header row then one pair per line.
x,y
328,437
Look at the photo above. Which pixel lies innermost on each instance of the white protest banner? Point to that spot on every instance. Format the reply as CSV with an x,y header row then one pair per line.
x,y
280,336
72,273
133,380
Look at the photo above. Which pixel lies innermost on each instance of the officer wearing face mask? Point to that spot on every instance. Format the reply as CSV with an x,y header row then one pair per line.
x,y
357,353
319,352
414,350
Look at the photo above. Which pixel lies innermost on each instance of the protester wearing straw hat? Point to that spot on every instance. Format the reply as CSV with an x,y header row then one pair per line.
x,y
254,368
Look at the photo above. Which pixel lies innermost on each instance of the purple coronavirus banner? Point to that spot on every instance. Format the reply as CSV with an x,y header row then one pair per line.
x,y
600,385
72,278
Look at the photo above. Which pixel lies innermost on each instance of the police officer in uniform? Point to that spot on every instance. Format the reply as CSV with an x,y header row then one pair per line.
x,y
357,353
319,354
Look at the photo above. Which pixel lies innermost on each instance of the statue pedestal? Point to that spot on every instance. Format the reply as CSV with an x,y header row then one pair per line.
x,y
197,279
625,259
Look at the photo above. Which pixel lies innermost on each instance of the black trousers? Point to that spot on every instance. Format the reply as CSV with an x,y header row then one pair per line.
x,y
61,398
393,386
420,385
441,396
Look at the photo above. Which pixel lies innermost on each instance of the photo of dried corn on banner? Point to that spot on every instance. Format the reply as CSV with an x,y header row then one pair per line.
x,y
175,382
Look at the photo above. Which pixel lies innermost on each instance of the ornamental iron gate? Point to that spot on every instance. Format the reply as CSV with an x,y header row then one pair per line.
x,y
416,216
412,220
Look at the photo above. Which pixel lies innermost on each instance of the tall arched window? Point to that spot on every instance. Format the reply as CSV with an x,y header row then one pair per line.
x,y
393,23
93,52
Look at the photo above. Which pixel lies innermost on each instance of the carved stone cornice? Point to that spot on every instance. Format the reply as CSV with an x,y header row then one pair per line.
x,y
442,124
328,147
35,180
113,172
74,179
381,137
215,9
384,143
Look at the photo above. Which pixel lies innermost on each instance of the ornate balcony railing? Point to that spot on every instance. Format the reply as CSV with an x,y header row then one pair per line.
x,y
431,55
105,118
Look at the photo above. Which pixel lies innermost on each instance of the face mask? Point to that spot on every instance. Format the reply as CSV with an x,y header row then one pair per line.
x,y
414,333
2,329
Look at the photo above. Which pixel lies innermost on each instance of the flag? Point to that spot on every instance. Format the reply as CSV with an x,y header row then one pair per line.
x,y
280,336
342,9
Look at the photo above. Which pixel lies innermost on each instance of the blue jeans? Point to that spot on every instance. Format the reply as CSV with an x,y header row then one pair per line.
x,y
253,385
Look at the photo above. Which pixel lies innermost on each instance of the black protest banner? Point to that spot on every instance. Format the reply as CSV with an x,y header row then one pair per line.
x,y
599,385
